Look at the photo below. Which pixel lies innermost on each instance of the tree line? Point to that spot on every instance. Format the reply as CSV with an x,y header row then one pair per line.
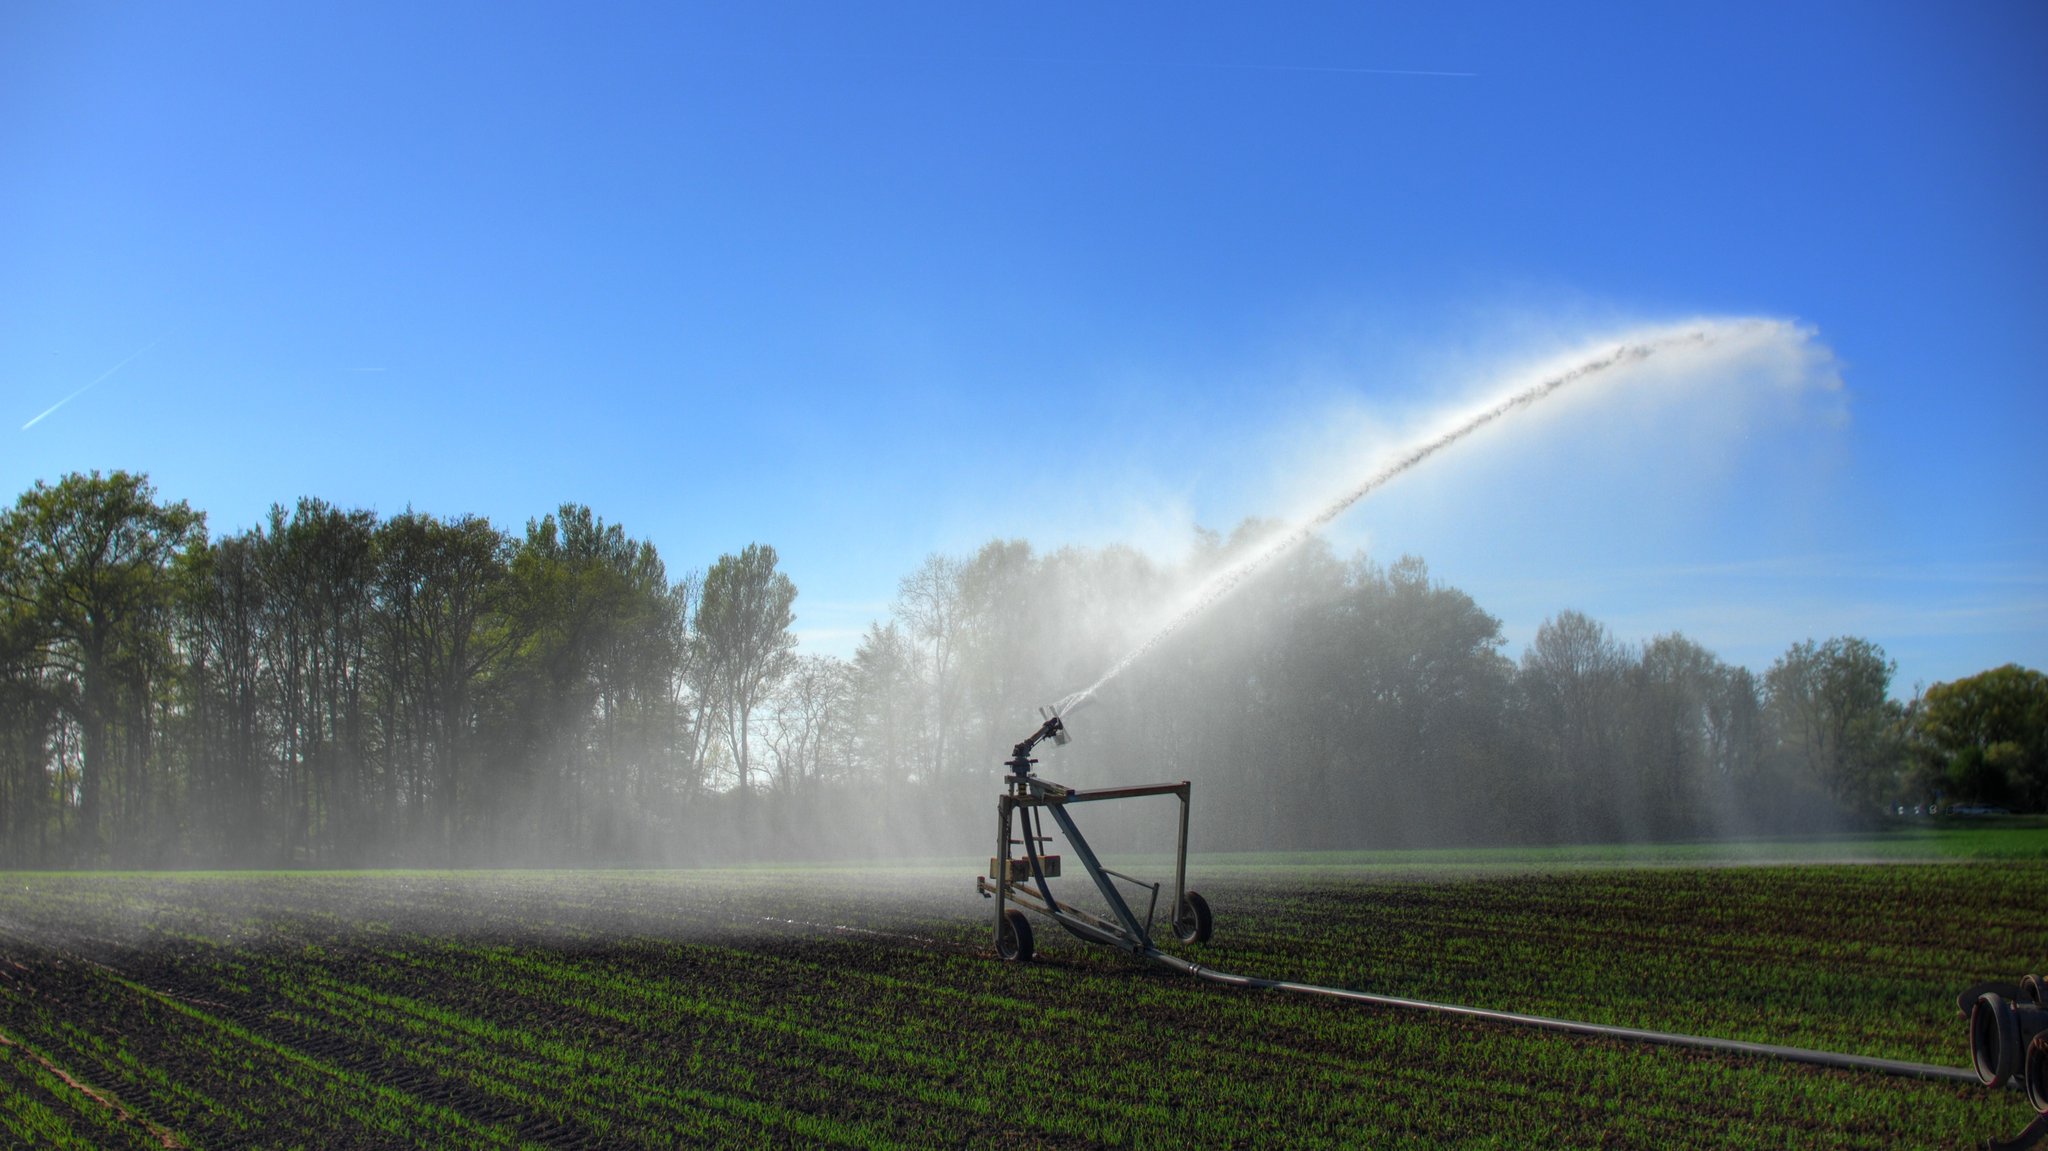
x,y
328,688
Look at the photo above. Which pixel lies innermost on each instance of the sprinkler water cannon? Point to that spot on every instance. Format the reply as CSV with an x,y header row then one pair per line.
x,y
1020,760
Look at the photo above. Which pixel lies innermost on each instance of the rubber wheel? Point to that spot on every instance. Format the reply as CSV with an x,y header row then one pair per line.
x,y
2035,1073
1193,924
1994,1039
1013,936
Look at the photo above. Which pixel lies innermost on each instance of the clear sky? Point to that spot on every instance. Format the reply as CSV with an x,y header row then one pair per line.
x,y
870,281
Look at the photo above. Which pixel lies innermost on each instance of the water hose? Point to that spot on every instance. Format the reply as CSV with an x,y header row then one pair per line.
x,y
1899,1067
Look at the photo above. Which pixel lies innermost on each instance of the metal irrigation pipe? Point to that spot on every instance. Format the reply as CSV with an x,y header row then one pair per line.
x,y
1666,1038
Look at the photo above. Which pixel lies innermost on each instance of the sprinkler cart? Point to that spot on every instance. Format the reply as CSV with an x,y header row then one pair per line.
x,y
1023,880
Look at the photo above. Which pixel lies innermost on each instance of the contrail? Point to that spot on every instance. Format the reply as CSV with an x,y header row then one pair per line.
x,y
88,387
1100,62
1315,68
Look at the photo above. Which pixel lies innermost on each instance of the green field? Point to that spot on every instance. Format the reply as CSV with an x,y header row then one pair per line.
x,y
845,1007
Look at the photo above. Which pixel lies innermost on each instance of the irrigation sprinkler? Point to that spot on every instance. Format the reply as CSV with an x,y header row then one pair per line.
x,y
1019,883
2008,1021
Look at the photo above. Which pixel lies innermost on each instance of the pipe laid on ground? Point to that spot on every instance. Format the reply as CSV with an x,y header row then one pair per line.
x,y
1666,1038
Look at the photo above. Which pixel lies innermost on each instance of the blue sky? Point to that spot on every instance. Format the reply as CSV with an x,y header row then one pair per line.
x,y
866,282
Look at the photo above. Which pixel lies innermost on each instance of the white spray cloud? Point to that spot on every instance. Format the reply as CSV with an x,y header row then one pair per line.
x,y
1722,375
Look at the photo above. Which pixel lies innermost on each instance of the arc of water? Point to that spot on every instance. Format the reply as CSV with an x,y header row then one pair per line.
x,y
1223,582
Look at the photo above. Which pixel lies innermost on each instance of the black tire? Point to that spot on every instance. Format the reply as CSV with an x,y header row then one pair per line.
x,y
1013,936
1194,923
1994,1039
2034,1072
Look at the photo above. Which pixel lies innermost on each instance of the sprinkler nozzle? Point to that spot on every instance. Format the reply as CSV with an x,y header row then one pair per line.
x,y
1054,727
1020,760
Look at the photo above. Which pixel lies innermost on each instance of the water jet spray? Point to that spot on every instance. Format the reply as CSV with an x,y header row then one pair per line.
x,y
1602,362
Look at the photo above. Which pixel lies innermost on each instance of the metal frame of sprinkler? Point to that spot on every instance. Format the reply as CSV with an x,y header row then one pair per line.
x,y
1022,881
2008,1021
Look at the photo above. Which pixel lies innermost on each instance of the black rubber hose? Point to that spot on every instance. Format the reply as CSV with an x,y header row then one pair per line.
x,y
1969,996
1031,833
2028,1136
1033,828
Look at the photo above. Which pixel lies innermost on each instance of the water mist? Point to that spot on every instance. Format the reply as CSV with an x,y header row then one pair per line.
x,y
1702,344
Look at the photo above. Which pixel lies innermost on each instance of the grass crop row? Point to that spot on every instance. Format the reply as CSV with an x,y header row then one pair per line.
x,y
815,1007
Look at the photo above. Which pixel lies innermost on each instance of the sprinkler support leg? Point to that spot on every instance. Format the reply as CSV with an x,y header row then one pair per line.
x,y
1180,856
1002,858
1137,942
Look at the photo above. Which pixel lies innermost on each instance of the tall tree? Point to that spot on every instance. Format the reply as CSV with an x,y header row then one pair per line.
x,y
1419,706
692,693
886,708
583,696
319,575
806,734
89,561
743,619
1574,675
443,587
228,726
995,587
1829,707
1679,704
931,603
29,724
1988,736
